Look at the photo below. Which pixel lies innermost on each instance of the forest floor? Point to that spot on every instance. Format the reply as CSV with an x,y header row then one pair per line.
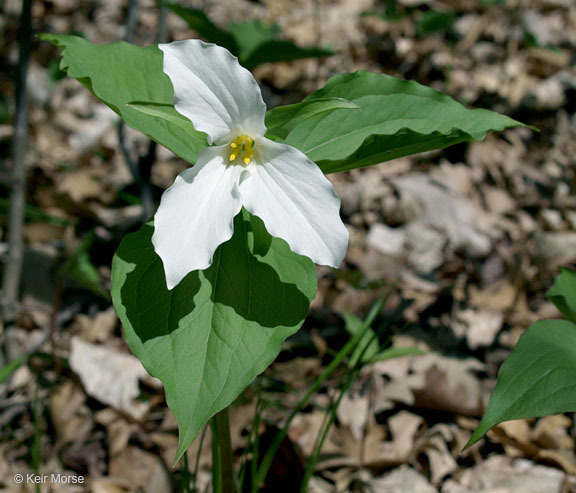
x,y
463,243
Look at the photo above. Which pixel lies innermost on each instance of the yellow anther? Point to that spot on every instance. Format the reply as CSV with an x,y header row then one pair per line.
x,y
242,145
248,152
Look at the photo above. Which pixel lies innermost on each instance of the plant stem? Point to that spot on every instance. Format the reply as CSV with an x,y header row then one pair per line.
x,y
141,166
216,463
225,448
185,475
14,260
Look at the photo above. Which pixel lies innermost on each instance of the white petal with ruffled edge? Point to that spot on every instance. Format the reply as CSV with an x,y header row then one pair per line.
x,y
217,94
196,215
296,202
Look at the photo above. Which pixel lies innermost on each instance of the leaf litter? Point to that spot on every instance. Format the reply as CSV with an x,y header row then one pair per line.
x,y
471,237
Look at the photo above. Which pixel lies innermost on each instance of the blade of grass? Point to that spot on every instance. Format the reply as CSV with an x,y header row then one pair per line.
x,y
251,450
352,374
338,359
12,366
197,462
330,416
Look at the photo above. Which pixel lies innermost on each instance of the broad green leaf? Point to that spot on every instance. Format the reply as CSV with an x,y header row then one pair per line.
x,y
210,336
283,51
432,21
537,379
563,294
248,35
201,23
281,120
121,73
79,267
395,118
253,42
166,112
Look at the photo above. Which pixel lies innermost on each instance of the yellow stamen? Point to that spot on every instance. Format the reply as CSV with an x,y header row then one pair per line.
x,y
242,145
248,152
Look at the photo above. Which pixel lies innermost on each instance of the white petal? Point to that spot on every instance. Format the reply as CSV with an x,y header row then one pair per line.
x,y
296,202
196,215
217,94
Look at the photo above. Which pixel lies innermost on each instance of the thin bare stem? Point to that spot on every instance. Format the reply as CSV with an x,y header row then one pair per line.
x,y
140,166
13,267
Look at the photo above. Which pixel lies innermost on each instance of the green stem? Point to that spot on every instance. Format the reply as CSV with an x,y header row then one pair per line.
x,y
222,453
216,465
197,463
185,475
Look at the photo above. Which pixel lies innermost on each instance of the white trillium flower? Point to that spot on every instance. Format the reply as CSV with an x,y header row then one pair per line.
x,y
273,181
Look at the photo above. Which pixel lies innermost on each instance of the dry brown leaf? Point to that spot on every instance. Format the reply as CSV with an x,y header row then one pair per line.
x,y
140,469
403,427
69,415
480,327
553,432
514,436
42,232
118,429
430,381
305,428
501,474
447,384
353,411
110,376
403,479
498,296
451,213
97,328
435,446
107,485
85,184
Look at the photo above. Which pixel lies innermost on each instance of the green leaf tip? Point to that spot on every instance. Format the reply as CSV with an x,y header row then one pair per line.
x,y
537,379
563,294
113,73
395,118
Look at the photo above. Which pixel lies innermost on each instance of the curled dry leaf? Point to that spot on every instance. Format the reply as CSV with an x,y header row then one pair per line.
x,y
110,376
480,327
69,415
435,446
402,480
353,412
403,428
98,328
431,381
506,475
140,470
